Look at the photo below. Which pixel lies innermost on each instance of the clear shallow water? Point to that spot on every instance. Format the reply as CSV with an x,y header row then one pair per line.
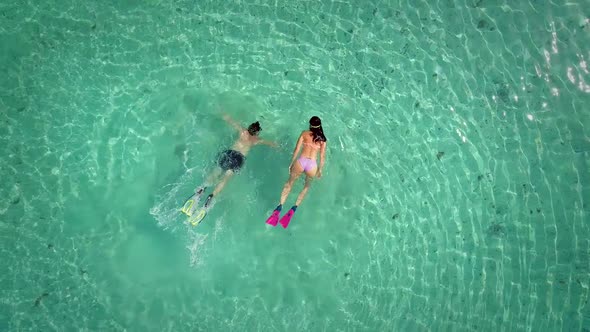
x,y
455,195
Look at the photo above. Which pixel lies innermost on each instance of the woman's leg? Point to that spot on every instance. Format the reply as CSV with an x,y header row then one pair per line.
x,y
303,192
286,219
308,179
296,171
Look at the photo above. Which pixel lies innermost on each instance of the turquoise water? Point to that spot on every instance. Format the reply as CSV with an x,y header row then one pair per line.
x,y
455,195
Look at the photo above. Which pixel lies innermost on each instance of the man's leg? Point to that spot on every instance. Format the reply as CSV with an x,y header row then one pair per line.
x,y
228,174
192,203
213,177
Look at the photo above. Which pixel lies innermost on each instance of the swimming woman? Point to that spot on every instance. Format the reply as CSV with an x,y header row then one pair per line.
x,y
312,141
229,162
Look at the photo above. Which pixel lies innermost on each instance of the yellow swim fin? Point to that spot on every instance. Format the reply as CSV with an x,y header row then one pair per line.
x,y
198,217
188,206
191,204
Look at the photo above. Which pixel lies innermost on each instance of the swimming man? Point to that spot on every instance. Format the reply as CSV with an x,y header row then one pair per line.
x,y
229,162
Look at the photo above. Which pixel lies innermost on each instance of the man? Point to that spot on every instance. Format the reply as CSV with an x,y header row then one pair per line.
x,y
229,162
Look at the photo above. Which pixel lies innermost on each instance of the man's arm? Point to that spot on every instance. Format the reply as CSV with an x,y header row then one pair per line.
x,y
231,121
269,143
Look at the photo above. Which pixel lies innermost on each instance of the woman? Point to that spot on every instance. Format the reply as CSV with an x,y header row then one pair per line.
x,y
312,141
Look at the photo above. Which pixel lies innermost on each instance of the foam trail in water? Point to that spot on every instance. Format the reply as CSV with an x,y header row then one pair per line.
x,y
167,212
195,246
168,204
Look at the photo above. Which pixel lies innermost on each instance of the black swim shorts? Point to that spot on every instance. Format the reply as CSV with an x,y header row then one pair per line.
x,y
231,159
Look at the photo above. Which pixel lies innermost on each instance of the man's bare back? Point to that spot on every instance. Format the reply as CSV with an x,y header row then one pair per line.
x,y
245,142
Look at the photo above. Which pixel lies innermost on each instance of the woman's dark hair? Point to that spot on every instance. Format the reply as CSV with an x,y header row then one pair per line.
x,y
254,128
315,125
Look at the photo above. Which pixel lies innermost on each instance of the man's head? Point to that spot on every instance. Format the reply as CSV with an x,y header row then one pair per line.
x,y
254,129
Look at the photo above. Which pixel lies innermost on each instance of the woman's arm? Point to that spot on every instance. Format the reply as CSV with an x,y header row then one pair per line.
x,y
297,148
322,158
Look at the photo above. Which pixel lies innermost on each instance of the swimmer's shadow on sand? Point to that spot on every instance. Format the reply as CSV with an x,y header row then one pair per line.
x,y
496,229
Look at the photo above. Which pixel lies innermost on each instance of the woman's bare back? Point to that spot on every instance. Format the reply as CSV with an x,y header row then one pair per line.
x,y
310,148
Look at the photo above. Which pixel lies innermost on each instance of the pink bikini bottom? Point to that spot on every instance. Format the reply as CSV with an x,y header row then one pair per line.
x,y
307,164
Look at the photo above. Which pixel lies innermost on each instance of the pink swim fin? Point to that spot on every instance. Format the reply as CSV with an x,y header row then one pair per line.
x,y
286,219
274,217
